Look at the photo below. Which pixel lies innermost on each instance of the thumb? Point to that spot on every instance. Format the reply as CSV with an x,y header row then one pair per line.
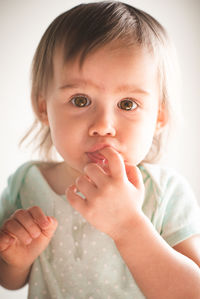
x,y
134,175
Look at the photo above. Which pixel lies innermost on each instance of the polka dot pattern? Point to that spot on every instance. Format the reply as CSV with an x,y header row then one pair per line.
x,y
80,262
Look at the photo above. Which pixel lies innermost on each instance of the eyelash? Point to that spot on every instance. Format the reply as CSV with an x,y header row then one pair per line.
x,y
89,102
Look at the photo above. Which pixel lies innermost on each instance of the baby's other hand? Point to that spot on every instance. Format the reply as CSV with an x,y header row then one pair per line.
x,y
25,235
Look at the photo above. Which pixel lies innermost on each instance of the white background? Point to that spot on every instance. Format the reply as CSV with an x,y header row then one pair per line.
x,y
22,23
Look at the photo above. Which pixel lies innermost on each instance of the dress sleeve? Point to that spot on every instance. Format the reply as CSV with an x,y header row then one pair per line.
x,y
10,197
179,211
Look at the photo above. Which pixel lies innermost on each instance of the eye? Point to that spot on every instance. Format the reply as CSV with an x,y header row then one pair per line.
x,y
80,101
127,105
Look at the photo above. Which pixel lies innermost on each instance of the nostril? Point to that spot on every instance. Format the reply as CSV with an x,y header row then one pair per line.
x,y
95,133
107,131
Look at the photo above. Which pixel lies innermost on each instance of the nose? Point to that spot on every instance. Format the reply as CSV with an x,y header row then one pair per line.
x,y
103,125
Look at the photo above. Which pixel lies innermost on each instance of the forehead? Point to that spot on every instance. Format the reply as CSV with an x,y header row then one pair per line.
x,y
110,64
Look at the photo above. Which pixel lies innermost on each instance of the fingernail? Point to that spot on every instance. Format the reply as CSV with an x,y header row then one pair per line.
x,y
28,241
50,219
73,188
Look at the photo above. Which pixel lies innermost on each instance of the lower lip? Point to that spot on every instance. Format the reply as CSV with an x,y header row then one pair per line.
x,y
95,157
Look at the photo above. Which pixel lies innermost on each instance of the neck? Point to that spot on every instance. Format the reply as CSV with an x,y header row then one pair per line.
x,y
59,176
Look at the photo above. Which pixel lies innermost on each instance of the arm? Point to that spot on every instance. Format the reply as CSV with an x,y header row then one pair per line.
x,y
113,205
159,270
23,237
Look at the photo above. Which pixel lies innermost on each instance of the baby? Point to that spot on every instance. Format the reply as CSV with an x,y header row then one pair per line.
x,y
105,222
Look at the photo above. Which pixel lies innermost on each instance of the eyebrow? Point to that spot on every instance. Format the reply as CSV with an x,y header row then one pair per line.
x,y
131,88
124,87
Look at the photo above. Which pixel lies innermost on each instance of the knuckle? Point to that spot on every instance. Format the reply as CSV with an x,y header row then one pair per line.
x,y
36,212
19,213
8,224
34,209
89,167
1,236
4,240
79,180
33,227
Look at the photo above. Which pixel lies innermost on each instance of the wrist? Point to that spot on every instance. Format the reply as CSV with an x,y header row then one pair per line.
x,y
132,226
17,269
12,277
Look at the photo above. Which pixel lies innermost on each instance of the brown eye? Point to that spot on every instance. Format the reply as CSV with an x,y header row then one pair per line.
x,y
80,101
127,105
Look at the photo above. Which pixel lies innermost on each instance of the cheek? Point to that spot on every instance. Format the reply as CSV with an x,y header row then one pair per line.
x,y
64,129
139,139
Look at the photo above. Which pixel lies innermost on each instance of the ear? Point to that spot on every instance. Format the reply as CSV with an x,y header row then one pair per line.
x,y
42,110
162,118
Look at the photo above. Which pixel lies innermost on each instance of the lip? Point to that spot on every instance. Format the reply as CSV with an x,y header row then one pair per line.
x,y
98,147
94,155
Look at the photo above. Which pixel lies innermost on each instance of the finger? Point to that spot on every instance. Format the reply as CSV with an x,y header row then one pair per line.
x,y
95,173
115,162
85,186
39,217
47,224
76,201
51,228
5,241
134,175
16,230
25,218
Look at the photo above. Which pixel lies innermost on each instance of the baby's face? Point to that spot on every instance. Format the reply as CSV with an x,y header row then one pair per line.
x,y
113,100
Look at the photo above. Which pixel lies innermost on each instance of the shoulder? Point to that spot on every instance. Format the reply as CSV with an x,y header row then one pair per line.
x,y
9,199
19,176
26,167
161,174
175,207
165,181
48,174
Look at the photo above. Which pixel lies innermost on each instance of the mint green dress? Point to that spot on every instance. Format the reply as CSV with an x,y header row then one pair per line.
x,y
82,262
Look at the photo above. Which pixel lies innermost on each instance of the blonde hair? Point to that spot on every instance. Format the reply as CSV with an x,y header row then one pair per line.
x,y
87,27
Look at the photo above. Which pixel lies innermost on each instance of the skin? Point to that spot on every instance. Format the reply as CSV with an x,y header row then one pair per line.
x,y
114,191
105,79
23,237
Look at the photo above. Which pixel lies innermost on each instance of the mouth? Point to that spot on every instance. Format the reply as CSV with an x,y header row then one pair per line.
x,y
96,157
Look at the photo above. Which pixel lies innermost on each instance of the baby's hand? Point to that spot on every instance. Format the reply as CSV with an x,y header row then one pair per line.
x,y
24,236
113,199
